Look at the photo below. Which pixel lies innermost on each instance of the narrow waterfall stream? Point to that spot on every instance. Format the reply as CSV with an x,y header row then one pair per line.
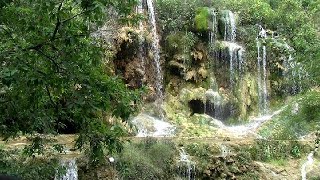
x,y
71,170
186,167
213,31
309,162
262,72
293,73
156,52
236,60
230,26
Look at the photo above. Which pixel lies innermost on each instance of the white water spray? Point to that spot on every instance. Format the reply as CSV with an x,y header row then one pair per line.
x,y
187,168
71,170
149,126
246,129
309,162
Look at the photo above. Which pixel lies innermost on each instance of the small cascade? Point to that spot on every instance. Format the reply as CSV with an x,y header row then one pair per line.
x,y
229,54
262,72
155,51
186,166
71,170
213,29
214,104
224,150
293,73
255,123
229,26
309,162
149,126
236,60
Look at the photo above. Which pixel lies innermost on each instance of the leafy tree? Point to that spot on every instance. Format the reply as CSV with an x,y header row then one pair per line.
x,y
53,75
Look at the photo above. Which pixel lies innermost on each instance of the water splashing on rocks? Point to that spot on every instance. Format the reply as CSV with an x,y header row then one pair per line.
x,y
186,166
71,170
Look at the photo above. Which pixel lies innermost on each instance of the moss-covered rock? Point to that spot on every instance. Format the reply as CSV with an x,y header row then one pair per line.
x,y
202,19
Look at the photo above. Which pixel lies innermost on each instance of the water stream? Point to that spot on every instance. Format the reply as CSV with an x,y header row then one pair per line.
x,y
71,170
213,31
155,51
262,72
293,73
186,167
309,162
230,26
236,60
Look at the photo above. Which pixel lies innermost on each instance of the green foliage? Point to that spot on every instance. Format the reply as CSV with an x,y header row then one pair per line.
x,y
52,73
273,150
15,164
149,160
202,18
298,118
177,15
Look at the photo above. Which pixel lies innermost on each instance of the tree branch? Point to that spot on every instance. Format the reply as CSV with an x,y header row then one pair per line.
x,y
58,23
50,58
50,97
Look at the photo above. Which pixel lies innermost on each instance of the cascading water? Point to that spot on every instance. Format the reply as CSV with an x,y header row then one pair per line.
x,y
262,72
231,52
247,129
149,126
229,26
309,162
293,73
236,60
155,51
224,150
214,104
186,166
71,170
213,31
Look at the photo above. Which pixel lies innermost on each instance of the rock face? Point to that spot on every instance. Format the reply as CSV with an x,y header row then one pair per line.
x,y
213,54
230,167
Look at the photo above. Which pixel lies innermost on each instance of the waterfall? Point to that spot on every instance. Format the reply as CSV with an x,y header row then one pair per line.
x,y
155,51
262,73
212,32
307,163
229,27
214,104
293,73
71,170
236,61
218,106
186,167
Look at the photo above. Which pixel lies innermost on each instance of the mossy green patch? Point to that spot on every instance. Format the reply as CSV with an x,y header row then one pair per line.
x,y
201,19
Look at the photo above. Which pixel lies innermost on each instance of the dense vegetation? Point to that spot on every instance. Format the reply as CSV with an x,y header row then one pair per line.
x,y
53,74
57,76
